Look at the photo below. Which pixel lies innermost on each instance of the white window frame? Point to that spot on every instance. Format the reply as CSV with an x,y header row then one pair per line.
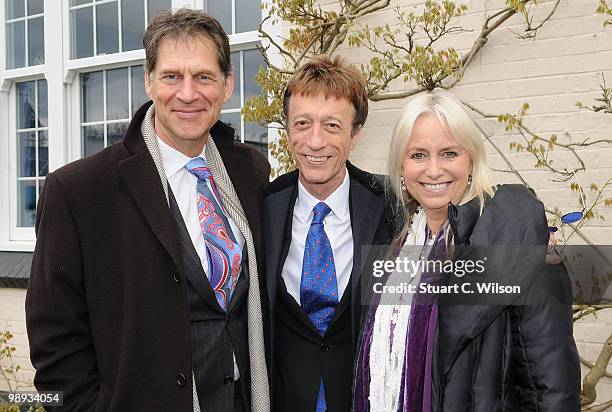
x,y
92,4
77,142
25,18
13,237
17,232
64,117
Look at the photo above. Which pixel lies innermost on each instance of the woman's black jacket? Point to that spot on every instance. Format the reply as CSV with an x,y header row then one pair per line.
x,y
507,357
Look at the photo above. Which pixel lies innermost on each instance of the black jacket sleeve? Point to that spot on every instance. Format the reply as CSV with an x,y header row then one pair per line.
x,y
542,329
57,321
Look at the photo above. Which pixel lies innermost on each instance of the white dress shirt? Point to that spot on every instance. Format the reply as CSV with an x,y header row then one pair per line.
x,y
183,185
337,226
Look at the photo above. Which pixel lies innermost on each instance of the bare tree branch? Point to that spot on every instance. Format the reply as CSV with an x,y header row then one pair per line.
x,y
599,408
580,311
590,365
589,392
263,34
396,95
532,30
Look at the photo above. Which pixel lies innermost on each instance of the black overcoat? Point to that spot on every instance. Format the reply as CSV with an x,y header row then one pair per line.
x,y
106,303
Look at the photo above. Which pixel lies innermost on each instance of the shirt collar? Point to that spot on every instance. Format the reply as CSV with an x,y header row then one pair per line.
x,y
338,201
173,159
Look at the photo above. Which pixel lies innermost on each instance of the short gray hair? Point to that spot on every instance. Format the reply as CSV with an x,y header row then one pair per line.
x,y
185,24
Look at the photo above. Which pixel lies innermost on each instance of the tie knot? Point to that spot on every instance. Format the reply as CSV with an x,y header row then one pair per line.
x,y
320,211
199,168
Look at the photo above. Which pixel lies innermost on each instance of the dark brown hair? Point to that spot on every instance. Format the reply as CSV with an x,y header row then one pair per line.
x,y
330,76
185,24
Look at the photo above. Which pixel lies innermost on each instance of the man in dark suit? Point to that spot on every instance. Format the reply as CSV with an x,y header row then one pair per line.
x,y
144,290
316,220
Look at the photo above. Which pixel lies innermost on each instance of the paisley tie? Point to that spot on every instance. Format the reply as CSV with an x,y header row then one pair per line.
x,y
223,252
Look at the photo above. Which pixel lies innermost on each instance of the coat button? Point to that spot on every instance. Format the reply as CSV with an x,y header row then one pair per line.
x,y
181,379
324,347
228,380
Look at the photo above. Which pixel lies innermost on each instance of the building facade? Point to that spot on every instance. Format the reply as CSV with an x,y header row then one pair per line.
x,y
71,76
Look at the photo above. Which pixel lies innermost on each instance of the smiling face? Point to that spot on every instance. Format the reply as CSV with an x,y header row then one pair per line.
x,y
188,89
435,168
320,139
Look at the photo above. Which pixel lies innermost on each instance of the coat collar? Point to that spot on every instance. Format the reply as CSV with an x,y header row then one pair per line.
x,y
512,232
144,176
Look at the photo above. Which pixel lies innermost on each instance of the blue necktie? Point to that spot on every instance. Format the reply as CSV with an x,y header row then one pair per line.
x,y
319,287
223,252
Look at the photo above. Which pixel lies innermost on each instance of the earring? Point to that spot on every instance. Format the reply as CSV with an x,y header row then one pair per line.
x,y
403,183
469,182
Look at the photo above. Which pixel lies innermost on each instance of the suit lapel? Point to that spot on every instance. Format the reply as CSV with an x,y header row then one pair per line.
x,y
194,272
278,214
142,180
366,213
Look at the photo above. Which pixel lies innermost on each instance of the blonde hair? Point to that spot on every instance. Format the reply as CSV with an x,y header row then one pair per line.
x,y
452,115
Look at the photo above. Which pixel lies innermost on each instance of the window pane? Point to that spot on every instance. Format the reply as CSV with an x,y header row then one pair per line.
x,y
36,41
93,139
27,203
107,30
252,62
132,24
42,103
117,97
139,96
222,11
82,33
233,120
115,132
27,154
248,15
156,5
234,101
257,136
35,7
92,97
43,153
15,44
25,105
79,2
14,9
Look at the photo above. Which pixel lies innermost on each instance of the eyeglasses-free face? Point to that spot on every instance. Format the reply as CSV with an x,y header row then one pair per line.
x,y
188,89
435,167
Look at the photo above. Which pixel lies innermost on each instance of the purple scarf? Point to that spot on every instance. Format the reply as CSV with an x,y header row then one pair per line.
x,y
415,390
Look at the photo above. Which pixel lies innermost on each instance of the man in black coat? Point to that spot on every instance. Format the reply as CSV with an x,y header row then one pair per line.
x,y
325,212
124,311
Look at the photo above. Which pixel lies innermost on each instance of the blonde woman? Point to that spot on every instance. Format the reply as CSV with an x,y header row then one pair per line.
x,y
429,356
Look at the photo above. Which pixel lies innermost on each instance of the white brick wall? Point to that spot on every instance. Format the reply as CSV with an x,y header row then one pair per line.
x,y
561,66
12,317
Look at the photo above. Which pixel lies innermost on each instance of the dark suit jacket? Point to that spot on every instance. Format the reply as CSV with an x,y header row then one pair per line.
x,y
106,306
370,226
